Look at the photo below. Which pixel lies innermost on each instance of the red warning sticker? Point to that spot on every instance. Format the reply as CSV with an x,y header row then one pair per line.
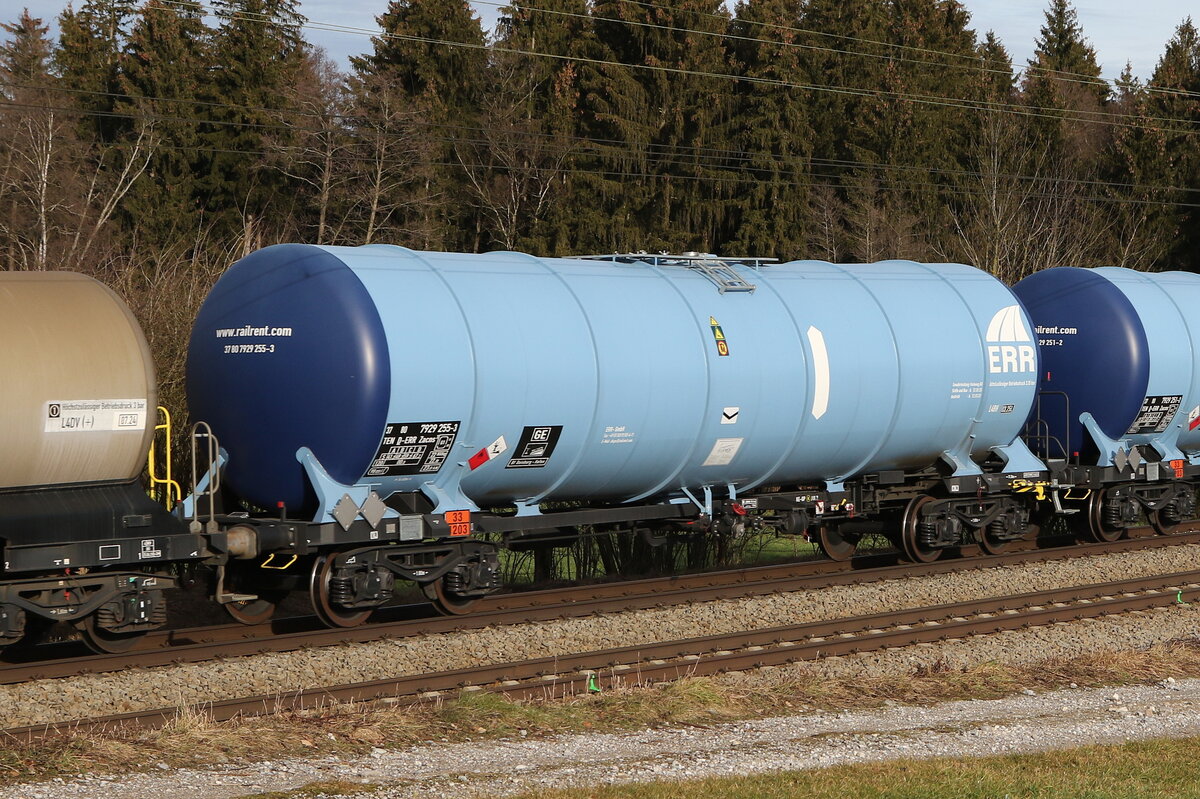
x,y
1194,418
484,455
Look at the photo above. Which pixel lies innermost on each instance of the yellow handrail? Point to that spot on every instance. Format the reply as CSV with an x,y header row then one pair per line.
x,y
173,493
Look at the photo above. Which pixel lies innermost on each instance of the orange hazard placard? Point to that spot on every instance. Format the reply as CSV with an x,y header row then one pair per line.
x,y
460,529
458,516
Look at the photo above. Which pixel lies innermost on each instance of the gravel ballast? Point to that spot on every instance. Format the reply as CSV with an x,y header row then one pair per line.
x,y
50,701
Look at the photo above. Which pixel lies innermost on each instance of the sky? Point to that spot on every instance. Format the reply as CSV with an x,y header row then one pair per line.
x,y
1120,30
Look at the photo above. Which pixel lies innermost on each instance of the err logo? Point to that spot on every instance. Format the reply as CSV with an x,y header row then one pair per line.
x,y
1009,345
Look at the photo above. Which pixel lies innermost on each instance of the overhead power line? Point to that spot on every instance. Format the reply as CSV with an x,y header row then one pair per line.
x,y
973,63
1074,115
717,154
725,175
690,156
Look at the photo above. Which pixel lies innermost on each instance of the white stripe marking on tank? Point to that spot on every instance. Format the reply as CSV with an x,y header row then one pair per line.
x,y
820,357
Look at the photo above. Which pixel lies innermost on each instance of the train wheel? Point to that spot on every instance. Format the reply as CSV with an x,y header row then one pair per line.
x,y
835,545
1089,524
1177,517
332,614
1164,526
913,548
995,546
105,642
446,603
254,611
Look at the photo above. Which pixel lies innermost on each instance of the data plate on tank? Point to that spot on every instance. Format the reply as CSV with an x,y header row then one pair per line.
x,y
86,416
536,446
413,448
1156,413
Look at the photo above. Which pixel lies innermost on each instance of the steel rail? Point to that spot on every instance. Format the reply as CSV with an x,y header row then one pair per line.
x,y
564,675
234,640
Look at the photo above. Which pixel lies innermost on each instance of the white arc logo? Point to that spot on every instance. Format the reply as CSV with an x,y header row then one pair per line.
x,y
1008,325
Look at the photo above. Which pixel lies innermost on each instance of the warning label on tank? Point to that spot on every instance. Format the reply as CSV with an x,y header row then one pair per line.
x,y
723,451
718,336
87,416
1156,414
414,448
535,447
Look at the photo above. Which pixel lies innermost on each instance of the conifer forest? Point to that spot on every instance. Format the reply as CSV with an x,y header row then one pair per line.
x,y
151,144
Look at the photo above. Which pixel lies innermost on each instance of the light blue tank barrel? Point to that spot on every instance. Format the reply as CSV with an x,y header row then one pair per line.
x,y
1123,348
503,378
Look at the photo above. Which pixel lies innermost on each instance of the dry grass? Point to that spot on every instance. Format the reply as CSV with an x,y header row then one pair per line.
x,y
193,739
1144,770
939,683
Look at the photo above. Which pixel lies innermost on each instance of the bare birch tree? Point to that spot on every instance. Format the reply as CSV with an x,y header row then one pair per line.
x,y
514,163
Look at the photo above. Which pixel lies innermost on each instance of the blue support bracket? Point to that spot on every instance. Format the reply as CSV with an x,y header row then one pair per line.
x,y
1167,444
528,509
329,491
1107,446
446,498
1018,458
706,506
961,462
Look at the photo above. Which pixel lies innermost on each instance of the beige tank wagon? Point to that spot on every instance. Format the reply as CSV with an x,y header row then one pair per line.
x,y
80,539
77,382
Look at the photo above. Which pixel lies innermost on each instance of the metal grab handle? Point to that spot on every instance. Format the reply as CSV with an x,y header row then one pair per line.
x,y
174,492
212,472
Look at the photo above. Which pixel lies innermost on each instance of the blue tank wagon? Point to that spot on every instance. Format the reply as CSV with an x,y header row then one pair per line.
x,y
408,391
1119,414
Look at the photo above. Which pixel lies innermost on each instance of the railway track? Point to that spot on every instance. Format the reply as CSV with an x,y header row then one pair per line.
x,y
598,670
192,645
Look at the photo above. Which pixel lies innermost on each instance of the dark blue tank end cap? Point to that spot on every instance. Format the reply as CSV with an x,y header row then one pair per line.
x,y
311,369
1093,346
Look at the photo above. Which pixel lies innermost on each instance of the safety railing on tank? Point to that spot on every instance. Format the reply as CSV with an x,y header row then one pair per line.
x,y
716,268
1037,430
163,487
